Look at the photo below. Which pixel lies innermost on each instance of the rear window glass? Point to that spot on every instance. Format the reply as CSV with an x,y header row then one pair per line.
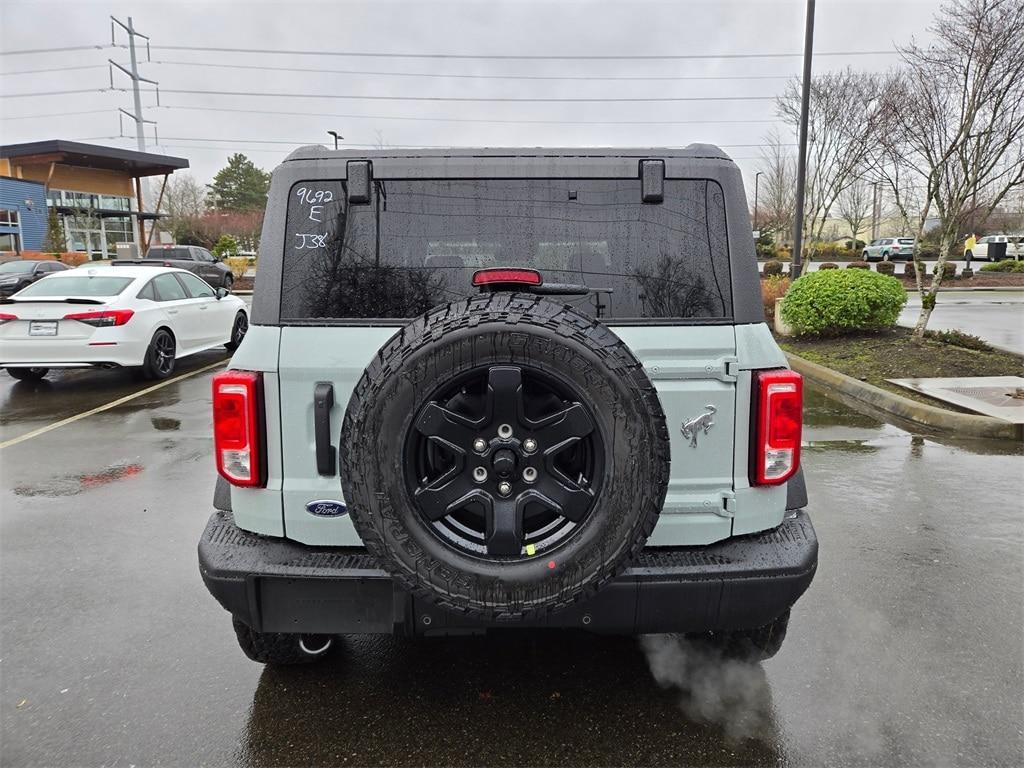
x,y
76,285
170,253
418,242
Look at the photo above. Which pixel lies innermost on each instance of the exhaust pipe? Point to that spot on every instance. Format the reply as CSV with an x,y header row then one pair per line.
x,y
315,645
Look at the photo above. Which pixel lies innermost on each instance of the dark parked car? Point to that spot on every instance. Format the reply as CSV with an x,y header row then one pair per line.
x,y
15,275
190,257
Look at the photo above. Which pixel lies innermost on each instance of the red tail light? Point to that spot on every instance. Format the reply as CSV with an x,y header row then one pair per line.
x,y
6,318
779,401
515,276
237,428
102,319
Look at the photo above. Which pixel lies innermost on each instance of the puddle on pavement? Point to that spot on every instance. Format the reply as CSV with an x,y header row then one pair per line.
x,y
839,423
165,424
71,485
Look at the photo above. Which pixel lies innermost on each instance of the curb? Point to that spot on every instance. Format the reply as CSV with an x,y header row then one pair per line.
x,y
928,416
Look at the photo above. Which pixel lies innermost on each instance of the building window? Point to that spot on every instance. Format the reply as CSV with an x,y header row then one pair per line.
x,y
8,218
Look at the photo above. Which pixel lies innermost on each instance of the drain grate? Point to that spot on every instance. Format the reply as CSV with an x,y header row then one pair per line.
x,y
998,396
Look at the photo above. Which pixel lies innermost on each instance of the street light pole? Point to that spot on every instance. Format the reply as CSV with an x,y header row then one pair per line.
x,y
801,172
757,178
336,136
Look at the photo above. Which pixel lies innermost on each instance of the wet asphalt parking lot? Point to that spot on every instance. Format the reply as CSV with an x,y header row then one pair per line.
x,y
907,649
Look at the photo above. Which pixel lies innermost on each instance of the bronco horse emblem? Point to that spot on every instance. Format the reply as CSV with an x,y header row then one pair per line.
x,y
703,422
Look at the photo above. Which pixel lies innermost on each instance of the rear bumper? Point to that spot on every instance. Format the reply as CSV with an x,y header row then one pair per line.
x,y
73,353
276,585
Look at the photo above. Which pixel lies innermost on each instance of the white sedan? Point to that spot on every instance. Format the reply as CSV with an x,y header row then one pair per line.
x,y
137,317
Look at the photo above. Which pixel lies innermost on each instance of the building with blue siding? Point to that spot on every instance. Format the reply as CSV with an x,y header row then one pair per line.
x,y
23,215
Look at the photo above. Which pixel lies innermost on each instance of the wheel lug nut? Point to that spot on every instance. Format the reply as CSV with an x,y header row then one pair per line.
x,y
479,445
529,474
479,474
529,445
504,488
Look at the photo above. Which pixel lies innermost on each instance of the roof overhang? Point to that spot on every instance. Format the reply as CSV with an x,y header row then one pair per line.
x,y
73,153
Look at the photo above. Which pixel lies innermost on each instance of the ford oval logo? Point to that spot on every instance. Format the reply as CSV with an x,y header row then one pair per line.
x,y
326,508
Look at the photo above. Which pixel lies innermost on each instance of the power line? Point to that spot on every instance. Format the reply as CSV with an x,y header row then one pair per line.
x,y
55,114
505,99
299,143
24,51
56,93
468,119
465,76
54,69
518,57
275,151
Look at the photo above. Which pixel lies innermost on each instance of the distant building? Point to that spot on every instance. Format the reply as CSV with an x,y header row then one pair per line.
x,y
93,190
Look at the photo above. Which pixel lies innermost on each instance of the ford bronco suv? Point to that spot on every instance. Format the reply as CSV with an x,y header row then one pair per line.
x,y
507,388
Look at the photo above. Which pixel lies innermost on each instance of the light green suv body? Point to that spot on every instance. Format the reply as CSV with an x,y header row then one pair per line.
x,y
285,556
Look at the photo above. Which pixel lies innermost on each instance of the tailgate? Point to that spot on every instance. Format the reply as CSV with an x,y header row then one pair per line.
x,y
694,369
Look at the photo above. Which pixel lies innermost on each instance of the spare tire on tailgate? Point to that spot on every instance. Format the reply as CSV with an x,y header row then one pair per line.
x,y
504,456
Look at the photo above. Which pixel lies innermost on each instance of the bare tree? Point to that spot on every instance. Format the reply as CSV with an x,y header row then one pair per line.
x,y
184,204
855,203
958,124
777,189
845,121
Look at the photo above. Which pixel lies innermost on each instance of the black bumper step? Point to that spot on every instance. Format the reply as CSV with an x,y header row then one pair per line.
x,y
278,585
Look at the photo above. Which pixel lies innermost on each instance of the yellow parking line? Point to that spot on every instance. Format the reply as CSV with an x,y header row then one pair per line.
x,y
108,406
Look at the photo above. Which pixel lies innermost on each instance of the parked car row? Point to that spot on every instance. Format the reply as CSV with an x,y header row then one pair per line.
x,y
145,318
991,247
988,248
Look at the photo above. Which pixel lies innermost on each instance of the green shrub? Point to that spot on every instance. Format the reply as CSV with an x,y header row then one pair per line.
x,y
1007,265
858,265
948,270
772,268
829,265
885,268
840,301
959,339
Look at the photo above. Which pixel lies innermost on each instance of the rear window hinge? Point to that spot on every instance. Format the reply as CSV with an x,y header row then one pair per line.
x,y
728,508
732,368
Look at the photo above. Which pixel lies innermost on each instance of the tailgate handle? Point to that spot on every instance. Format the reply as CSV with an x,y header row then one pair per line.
x,y
323,402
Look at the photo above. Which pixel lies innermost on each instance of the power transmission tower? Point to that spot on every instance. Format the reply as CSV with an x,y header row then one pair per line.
x,y
136,78
140,121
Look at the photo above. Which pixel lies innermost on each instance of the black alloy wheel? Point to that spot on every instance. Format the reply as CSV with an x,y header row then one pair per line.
x,y
238,331
229,280
504,456
159,363
505,463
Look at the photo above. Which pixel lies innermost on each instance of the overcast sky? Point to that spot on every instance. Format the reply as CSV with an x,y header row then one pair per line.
x,y
201,127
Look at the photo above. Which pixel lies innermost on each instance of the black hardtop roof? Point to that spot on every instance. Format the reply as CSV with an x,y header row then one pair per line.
x,y
690,152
